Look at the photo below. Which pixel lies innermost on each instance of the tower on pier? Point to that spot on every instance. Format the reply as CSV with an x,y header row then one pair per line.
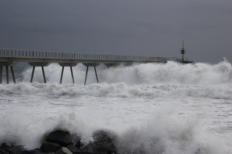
x,y
182,52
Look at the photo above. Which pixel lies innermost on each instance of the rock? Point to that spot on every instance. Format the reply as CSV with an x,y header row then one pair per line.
x,y
3,151
86,153
66,150
49,147
32,152
77,141
60,137
11,149
73,148
103,142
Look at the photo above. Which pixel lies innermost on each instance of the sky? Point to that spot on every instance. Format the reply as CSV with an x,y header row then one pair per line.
x,y
128,27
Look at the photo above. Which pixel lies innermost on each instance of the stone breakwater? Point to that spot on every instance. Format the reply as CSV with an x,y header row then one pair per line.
x,y
60,141
63,142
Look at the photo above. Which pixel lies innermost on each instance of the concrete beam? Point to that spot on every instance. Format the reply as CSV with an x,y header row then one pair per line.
x,y
111,64
91,64
38,63
67,64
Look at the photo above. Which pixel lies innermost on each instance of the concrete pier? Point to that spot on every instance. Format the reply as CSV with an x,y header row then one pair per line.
x,y
37,58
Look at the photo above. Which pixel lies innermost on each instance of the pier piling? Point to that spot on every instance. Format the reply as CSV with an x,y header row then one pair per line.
x,y
38,64
61,76
32,73
12,73
87,70
96,74
86,73
70,65
43,74
7,74
72,74
1,70
7,66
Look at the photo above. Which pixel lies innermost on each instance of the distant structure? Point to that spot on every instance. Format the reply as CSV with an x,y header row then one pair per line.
x,y
183,59
182,52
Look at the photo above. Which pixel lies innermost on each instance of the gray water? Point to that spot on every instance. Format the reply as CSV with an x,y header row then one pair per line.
x,y
153,108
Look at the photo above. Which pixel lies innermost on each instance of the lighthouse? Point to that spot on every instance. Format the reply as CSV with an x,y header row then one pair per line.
x,y
182,52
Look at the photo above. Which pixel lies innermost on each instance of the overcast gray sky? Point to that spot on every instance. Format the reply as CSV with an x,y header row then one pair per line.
x,y
131,27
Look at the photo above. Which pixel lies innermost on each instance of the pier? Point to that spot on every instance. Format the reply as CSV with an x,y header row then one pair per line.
x,y
40,59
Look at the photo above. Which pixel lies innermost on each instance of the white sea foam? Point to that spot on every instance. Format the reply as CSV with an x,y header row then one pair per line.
x,y
154,108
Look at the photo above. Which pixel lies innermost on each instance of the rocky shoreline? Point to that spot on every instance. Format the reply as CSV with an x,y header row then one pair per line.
x,y
63,142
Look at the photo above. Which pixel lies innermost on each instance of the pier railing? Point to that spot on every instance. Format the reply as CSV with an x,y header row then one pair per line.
x,y
36,54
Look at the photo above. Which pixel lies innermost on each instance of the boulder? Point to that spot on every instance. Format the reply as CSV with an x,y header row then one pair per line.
x,y
60,137
73,148
103,143
77,141
64,150
48,147
3,151
32,152
11,148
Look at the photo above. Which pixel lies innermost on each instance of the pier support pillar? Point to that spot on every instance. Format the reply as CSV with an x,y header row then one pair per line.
x,y
86,73
38,64
12,73
87,70
72,74
7,65
63,65
32,73
43,74
7,74
1,70
61,76
96,73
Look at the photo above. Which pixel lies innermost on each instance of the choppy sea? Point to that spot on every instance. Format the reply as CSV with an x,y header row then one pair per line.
x,y
154,108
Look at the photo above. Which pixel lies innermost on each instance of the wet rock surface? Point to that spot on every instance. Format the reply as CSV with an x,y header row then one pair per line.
x,y
63,142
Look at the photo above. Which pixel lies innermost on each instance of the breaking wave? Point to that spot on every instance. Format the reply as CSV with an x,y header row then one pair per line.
x,y
152,108
171,72
163,134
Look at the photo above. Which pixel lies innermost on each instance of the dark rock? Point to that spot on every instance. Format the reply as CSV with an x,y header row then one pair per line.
x,y
4,148
77,141
60,137
86,153
64,150
32,152
11,149
73,148
3,151
49,147
103,142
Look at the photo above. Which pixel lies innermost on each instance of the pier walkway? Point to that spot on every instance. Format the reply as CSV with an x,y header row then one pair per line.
x,y
36,58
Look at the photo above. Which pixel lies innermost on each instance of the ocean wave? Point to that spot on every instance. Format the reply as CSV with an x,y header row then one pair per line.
x,y
171,72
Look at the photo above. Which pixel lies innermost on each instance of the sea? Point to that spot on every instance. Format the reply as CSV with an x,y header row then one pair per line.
x,y
153,108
